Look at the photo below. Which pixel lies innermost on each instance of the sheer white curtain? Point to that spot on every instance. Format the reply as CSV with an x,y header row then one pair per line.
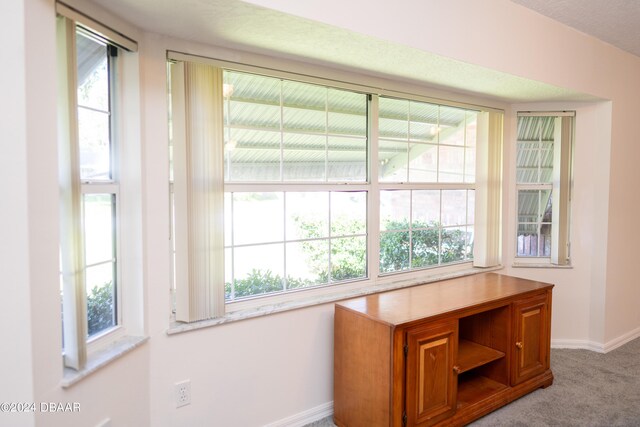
x,y
198,159
488,213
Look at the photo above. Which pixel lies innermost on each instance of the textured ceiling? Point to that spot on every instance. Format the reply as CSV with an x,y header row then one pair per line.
x,y
616,22
233,23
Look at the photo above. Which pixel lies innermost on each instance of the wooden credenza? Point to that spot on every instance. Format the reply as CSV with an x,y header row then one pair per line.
x,y
444,353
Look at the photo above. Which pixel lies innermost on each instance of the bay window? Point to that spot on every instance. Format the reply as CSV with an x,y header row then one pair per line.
x,y
282,183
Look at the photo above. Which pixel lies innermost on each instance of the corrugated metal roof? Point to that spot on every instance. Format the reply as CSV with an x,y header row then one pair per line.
x,y
534,164
313,124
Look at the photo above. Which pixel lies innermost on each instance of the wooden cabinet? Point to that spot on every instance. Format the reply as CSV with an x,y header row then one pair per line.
x,y
445,353
531,352
431,389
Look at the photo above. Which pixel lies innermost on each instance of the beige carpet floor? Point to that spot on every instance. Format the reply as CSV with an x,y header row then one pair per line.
x,y
589,389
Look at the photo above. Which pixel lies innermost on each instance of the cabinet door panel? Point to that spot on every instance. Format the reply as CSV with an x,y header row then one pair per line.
x,y
431,384
531,352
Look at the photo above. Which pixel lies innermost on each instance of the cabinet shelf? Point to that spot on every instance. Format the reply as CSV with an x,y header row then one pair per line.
x,y
474,388
471,355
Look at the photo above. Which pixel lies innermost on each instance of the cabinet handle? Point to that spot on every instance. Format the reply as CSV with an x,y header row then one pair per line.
x,y
519,345
456,369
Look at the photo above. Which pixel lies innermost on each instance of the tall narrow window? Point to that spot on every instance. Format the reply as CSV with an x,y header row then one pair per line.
x,y
99,184
89,175
543,180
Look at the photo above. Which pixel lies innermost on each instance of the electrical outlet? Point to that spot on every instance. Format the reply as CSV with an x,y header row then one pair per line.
x,y
183,393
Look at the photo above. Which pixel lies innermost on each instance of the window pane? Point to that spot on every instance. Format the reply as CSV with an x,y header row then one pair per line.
x,y
228,273
101,311
451,126
527,162
423,122
394,210
454,244
393,121
394,251
471,128
93,73
426,208
451,164
95,147
393,157
348,258
307,263
470,165
347,159
307,215
470,241
228,220
252,100
347,113
98,228
348,213
535,149
423,163
254,155
528,240
534,206
546,161
258,269
304,107
304,157
454,207
250,228
471,206
424,247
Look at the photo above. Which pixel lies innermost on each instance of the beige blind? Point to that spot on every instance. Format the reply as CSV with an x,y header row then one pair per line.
x,y
488,213
197,120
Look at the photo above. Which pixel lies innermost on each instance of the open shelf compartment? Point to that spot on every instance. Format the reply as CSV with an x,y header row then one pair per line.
x,y
471,355
473,388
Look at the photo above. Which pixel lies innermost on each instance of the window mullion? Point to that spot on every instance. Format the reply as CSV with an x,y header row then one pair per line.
x,y
373,196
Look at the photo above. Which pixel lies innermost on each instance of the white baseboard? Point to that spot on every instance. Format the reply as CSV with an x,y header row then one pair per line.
x,y
578,344
303,418
621,340
596,346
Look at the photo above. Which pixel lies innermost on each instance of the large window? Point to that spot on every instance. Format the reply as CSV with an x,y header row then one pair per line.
x,y
319,185
543,181
302,229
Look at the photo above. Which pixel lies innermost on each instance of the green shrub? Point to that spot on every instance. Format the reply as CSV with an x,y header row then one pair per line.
x,y
100,308
431,245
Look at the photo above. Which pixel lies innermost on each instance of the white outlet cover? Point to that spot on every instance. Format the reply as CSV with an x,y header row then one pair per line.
x,y
183,393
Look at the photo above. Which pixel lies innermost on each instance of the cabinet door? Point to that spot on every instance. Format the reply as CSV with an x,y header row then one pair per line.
x,y
431,383
531,339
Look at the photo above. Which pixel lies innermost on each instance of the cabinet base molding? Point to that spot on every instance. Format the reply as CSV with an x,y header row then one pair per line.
x,y
501,398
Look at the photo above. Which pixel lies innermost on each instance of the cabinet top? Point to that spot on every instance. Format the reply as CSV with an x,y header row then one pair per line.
x,y
419,302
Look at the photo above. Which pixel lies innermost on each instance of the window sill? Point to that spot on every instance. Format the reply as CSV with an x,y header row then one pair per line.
x,y
102,358
250,313
539,265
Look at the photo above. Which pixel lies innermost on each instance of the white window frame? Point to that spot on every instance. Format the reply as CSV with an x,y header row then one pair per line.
x,y
564,130
374,279
84,354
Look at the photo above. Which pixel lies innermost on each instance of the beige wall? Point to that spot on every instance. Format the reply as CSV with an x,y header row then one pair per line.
x,y
257,371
